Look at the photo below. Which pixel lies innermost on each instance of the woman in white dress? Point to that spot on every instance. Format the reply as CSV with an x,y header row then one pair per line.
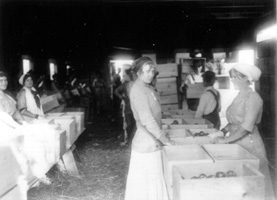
x,y
145,177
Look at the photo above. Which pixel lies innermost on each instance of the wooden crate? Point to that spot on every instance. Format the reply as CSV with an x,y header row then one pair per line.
x,y
9,167
182,112
49,103
14,194
176,155
191,140
69,126
188,126
231,153
170,99
247,185
42,121
178,133
169,121
167,86
198,122
196,130
80,121
169,107
167,70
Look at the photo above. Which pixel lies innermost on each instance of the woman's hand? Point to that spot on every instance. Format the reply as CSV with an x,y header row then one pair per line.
x,y
220,140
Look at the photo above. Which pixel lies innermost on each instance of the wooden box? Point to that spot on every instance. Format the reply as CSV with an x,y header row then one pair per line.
x,y
169,99
9,167
80,121
182,112
69,126
167,70
198,122
194,132
14,193
176,155
248,184
42,121
231,153
167,86
191,140
170,121
178,133
49,102
183,116
188,126
169,107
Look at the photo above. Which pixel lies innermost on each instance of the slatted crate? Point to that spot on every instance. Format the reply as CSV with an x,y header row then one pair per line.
x,y
199,122
176,155
231,153
9,167
188,126
248,184
80,120
170,121
69,126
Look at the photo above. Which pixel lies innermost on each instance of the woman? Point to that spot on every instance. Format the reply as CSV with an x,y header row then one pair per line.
x,y
7,103
209,104
123,93
145,178
28,100
243,115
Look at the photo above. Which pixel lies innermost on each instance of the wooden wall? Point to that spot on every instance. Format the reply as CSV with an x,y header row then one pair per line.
x,y
266,52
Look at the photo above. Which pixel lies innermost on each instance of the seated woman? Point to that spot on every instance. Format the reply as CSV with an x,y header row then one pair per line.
x,y
7,103
28,100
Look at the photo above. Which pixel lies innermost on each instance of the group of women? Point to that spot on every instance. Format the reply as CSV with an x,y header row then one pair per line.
x,y
145,177
27,105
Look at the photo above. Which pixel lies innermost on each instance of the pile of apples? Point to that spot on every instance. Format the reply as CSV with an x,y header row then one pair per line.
x,y
201,133
219,174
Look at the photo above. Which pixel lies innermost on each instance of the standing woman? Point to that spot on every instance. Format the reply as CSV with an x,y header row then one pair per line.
x,y
243,115
7,103
145,177
28,100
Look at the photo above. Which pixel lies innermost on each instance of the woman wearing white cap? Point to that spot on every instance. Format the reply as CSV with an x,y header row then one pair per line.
x,y
28,100
243,115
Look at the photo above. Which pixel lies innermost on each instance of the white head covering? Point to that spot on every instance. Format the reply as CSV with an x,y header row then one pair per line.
x,y
21,79
251,71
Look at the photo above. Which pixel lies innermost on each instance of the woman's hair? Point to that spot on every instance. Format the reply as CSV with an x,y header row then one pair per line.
x,y
25,77
140,62
3,74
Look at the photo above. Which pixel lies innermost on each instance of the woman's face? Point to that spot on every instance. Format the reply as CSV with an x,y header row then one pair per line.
x,y
239,82
3,83
28,82
147,73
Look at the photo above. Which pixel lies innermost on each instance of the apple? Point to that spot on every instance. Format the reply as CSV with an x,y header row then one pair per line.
x,y
220,175
231,173
202,176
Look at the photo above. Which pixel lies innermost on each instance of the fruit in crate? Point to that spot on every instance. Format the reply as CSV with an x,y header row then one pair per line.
x,y
175,122
231,173
202,176
220,175
201,133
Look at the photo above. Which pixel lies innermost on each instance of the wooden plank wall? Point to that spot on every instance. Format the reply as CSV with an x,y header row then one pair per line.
x,y
167,83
